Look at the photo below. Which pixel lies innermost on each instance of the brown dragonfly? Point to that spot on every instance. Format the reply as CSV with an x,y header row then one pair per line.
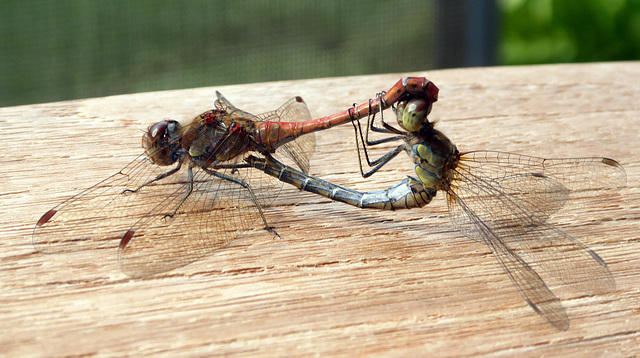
x,y
168,218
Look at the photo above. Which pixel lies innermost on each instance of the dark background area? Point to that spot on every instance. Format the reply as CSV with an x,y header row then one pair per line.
x,y
59,50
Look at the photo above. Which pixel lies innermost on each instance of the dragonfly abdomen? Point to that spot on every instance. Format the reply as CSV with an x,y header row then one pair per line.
x,y
408,193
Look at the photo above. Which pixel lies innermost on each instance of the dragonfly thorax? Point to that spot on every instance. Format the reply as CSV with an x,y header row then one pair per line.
x,y
434,155
214,138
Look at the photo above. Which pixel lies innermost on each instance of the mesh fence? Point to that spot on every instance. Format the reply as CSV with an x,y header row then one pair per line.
x,y
58,50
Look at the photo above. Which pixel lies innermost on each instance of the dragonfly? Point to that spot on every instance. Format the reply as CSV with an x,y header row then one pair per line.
x,y
191,193
500,199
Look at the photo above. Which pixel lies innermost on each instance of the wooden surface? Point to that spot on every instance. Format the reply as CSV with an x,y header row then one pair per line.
x,y
341,281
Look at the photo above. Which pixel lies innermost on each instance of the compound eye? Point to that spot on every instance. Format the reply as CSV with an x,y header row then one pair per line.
x,y
161,142
157,130
414,114
153,138
399,112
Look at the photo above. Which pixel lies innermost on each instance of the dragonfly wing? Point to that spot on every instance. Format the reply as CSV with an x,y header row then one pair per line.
x,y
295,109
96,216
298,152
223,103
216,212
589,180
567,259
528,283
512,208
496,191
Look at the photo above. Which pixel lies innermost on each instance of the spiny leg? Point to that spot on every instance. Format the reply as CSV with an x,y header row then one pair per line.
x,y
381,161
187,194
246,186
159,177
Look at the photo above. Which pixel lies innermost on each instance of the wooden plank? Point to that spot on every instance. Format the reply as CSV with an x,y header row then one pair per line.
x,y
341,281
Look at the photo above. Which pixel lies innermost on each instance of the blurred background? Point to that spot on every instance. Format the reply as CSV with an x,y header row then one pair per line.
x,y
59,50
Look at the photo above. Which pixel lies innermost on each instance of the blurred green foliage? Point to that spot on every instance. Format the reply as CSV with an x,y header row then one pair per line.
x,y
551,31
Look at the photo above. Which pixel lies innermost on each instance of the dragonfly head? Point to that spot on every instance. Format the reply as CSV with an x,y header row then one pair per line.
x,y
161,142
412,114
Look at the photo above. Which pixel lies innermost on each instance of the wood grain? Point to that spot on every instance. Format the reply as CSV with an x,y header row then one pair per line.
x,y
341,281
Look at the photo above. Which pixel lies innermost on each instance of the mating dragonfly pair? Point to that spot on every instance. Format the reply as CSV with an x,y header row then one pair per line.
x,y
214,191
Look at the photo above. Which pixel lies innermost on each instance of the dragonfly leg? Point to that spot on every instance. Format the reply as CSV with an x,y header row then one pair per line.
x,y
365,141
159,177
386,128
360,139
371,126
246,186
380,162
187,194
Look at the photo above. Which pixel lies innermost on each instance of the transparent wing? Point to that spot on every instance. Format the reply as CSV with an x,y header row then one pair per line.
x,y
223,103
533,193
218,210
298,152
588,180
507,209
528,283
94,217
